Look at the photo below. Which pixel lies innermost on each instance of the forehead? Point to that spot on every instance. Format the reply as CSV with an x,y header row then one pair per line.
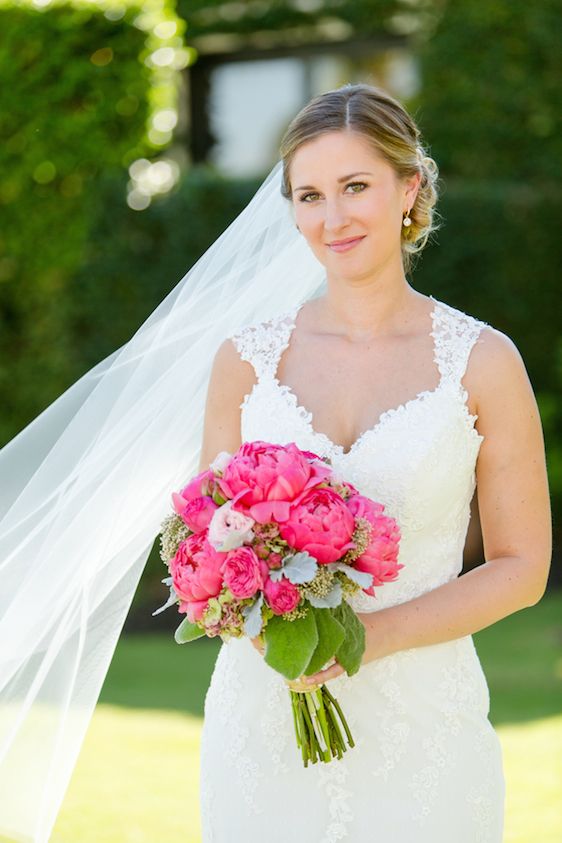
x,y
332,155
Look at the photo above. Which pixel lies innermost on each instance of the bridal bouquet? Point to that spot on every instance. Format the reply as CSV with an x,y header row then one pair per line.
x,y
267,543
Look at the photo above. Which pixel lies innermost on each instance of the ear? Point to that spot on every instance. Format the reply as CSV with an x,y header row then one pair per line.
x,y
412,185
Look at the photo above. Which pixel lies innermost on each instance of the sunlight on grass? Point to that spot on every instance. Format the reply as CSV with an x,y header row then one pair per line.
x,y
533,769
137,780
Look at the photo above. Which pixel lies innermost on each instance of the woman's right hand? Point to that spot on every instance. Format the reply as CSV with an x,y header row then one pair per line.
x,y
258,644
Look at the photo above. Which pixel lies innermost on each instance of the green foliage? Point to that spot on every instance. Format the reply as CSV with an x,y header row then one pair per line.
x,y
79,91
490,92
289,645
331,634
187,632
297,22
350,652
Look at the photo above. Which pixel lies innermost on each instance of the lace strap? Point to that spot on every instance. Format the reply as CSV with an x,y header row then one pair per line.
x,y
262,343
455,334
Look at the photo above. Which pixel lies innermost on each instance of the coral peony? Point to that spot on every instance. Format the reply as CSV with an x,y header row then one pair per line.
x,y
321,524
381,556
197,513
196,572
265,480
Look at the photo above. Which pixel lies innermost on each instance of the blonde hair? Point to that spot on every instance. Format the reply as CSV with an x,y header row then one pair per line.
x,y
376,115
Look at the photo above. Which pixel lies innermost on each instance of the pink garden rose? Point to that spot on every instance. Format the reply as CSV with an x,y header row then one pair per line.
x,y
321,524
381,556
196,572
265,480
282,596
229,528
198,513
242,572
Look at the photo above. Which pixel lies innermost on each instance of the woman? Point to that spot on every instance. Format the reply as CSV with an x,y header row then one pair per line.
x,y
414,402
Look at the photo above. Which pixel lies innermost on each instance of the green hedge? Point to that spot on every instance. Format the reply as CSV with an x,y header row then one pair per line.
x,y
77,95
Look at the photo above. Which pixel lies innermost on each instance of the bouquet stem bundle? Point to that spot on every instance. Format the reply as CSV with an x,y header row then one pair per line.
x,y
315,715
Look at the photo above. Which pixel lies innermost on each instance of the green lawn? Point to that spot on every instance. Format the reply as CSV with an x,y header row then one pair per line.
x,y
137,777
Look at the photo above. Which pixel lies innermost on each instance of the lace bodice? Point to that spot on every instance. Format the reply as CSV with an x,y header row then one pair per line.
x,y
418,459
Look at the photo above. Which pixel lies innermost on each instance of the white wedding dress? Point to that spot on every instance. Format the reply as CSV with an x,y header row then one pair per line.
x,y
427,764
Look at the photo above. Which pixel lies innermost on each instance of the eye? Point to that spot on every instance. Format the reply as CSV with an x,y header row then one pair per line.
x,y
361,184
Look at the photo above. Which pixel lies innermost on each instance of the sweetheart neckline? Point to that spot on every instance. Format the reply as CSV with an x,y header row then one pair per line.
x,y
308,416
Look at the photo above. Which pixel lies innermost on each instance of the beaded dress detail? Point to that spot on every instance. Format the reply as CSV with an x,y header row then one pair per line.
x,y
427,764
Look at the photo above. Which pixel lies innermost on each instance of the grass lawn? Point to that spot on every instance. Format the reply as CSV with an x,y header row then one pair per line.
x,y
138,774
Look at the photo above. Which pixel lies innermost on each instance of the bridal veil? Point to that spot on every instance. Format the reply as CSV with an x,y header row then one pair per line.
x,y
85,486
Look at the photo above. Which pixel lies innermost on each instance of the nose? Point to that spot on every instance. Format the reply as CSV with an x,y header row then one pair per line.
x,y
336,216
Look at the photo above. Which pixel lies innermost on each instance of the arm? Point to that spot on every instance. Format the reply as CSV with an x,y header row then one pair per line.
x,y
515,515
230,380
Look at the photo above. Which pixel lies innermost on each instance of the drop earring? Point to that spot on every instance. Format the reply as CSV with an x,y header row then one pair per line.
x,y
407,221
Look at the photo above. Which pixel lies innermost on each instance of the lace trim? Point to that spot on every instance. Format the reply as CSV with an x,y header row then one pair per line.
x,y
453,332
262,343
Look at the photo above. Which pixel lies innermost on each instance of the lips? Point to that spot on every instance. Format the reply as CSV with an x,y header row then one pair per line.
x,y
345,245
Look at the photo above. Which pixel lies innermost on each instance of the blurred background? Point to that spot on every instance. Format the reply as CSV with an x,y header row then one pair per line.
x,y
131,135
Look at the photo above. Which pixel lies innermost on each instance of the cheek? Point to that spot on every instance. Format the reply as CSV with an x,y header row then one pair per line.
x,y
309,220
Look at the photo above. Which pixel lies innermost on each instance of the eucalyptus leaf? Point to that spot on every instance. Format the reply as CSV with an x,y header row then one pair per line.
x,y
330,600
252,613
187,631
350,652
298,568
330,636
172,599
289,645
362,578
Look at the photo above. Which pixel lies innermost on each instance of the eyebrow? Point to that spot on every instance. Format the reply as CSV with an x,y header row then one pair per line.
x,y
342,179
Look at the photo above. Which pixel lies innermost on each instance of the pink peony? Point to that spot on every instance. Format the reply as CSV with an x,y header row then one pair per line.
x,y
282,596
381,556
362,507
242,572
265,480
196,572
321,524
198,513
201,485
229,528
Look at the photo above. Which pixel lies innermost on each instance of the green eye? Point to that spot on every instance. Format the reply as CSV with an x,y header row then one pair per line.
x,y
360,184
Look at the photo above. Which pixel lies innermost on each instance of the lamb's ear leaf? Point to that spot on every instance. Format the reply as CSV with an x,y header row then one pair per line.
x,y
350,652
330,636
187,631
289,645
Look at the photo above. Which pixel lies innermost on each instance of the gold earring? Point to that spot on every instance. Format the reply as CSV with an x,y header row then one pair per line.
x,y
407,221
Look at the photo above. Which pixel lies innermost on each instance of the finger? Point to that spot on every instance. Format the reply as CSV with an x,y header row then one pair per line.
x,y
324,675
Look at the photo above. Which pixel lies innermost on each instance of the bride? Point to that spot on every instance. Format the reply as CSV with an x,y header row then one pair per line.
x,y
298,324
414,402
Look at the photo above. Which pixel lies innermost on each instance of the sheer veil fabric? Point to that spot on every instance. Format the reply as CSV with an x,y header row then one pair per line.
x,y
85,486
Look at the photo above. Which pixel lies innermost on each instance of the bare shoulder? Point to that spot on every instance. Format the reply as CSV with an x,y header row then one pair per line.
x,y
495,368
231,379
504,401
